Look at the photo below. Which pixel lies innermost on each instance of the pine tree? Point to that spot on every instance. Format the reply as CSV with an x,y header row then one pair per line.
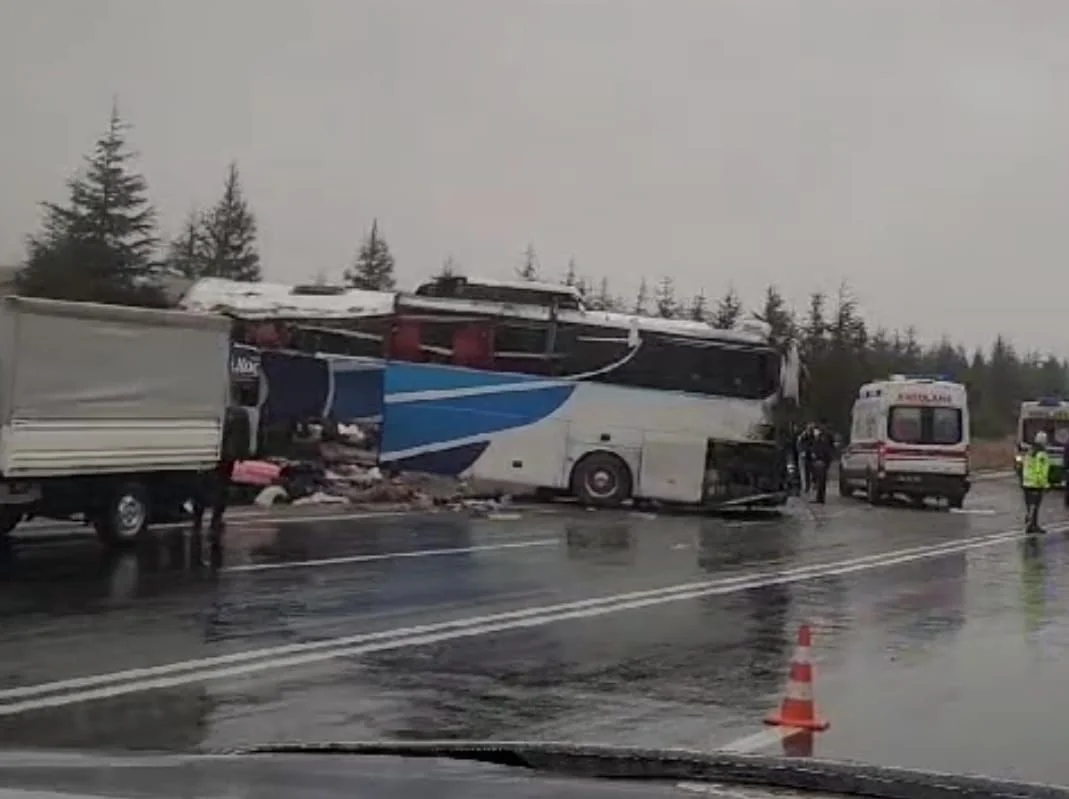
x,y
570,276
101,244
665,301
373,268
450,268
529,268
602,300
777,316
699,310
728,310
186,255
641,299
816,326
229,234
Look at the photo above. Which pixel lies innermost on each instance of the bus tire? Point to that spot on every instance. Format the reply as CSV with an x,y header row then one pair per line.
x,y
125,515
601,479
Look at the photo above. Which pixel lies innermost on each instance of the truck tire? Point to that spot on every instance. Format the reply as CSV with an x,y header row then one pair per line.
x,y
956,501
125,515
845,490
601,479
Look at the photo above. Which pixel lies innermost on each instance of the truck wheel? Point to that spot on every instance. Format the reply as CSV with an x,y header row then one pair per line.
x,y
125,517
844,487
10,516
956,501
601,479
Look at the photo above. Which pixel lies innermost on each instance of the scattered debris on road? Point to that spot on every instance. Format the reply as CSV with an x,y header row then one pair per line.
x,y
343,471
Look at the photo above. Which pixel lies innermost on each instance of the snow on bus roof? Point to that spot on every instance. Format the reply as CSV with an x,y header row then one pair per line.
x,y
751,331
272,300
262,300
522,285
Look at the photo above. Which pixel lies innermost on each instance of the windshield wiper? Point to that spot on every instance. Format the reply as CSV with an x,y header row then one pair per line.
x,y
616,762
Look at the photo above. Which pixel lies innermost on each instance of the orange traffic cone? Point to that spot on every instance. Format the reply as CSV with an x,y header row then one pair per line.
x,y
798,709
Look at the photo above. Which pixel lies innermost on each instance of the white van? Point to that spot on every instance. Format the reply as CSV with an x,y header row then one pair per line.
x,y
1051,416
909,435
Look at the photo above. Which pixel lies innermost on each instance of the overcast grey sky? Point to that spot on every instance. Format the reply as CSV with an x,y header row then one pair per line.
x,y
918,148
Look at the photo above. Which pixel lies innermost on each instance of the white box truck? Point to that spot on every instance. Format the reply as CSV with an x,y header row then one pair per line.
x,y
107,413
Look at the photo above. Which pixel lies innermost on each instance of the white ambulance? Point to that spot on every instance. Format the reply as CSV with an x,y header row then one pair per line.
x,y
909,435
1051,416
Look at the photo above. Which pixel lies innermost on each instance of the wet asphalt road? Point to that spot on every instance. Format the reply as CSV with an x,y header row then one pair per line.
x,y
939,642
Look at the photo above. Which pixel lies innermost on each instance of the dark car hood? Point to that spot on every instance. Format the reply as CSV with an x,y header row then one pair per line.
x,y
479,770
316,776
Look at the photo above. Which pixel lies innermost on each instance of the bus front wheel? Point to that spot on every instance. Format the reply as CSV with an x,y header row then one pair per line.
x,y
601,479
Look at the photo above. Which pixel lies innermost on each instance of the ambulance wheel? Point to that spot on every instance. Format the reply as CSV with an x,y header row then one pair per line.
x,y
601,479
873,494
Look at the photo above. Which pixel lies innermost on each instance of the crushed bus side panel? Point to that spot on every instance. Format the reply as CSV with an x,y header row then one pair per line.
x,y
751,473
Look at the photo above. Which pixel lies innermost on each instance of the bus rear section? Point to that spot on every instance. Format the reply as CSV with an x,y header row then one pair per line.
x,y
672,418
1050,416
909,437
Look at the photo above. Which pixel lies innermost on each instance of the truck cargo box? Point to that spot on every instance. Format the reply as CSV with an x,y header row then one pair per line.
x,y
88,388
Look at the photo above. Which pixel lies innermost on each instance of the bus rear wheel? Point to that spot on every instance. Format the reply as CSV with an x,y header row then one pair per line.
x,y
601,479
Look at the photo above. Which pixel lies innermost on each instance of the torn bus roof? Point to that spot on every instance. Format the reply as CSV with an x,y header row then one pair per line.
x,y
277,300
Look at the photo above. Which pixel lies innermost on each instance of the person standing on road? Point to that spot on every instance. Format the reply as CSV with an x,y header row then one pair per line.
x,y
1065,473
214,490
823,453
805,449
1035,479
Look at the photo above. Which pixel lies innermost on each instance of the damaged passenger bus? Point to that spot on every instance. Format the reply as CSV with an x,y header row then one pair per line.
x,y
519,382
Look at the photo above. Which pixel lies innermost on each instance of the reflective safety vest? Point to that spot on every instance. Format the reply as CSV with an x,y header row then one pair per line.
x,y
1035,470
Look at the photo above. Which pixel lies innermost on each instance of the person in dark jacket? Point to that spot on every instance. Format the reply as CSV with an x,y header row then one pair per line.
x,y
214,489
823,454
805,452
790,453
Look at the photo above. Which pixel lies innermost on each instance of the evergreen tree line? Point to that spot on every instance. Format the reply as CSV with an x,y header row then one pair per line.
x,y
840,351
102,244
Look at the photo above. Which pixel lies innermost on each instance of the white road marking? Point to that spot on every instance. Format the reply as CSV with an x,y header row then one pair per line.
x,y
715,789
415,553
759,740
104,686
